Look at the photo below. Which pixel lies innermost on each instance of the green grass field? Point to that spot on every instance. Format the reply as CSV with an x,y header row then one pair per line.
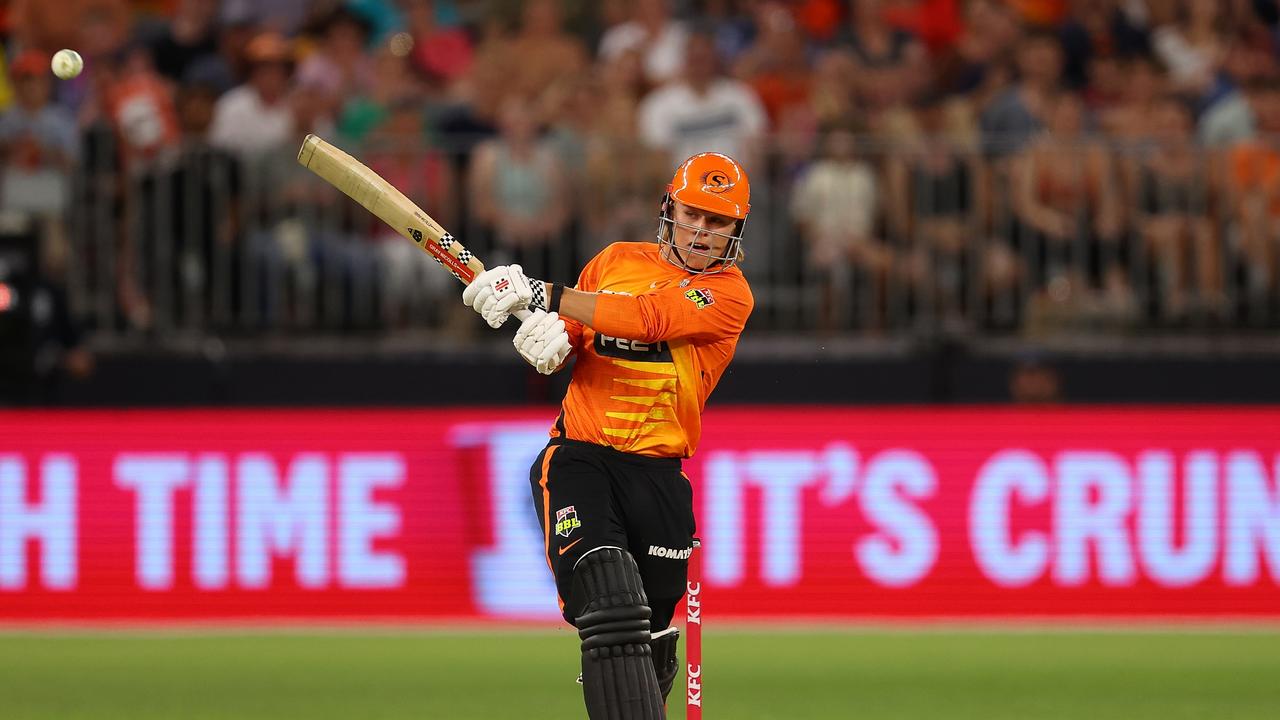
x,y
1219,674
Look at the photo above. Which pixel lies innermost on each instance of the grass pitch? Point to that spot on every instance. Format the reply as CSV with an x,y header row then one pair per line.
x,y
894,674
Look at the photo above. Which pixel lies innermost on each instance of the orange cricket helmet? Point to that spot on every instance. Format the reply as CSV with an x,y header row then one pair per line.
x,y
715,183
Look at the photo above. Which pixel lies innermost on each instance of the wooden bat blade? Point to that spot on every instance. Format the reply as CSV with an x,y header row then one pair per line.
x,y
381,198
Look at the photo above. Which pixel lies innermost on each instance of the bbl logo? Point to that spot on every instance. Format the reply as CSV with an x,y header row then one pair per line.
x,y
567,521
700,297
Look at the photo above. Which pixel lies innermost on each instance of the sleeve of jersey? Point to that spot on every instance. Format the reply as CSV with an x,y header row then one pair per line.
x,y
701,312
587,281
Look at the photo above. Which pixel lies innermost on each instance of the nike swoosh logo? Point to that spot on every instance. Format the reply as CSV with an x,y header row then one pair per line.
x,y
565,549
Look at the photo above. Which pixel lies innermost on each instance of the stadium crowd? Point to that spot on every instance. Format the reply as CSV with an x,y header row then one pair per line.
x,y
983,165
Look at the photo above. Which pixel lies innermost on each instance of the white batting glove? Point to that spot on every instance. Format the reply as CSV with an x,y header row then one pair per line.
x,y
500,291
542,341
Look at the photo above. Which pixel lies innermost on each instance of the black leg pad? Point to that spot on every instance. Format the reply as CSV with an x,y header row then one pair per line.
x,y
618,684
618,680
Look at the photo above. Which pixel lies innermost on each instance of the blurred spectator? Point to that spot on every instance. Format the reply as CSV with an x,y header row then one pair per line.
x,y
620,206
976,61
137,107
39,146
831,91
611,13
517,185
1128,118
936,23
819,18
256,116
1066,202
1097,30
140,105
623,80
282,16
1227,122
384,17
442,55
339,67
572,108
1194,45
394,83
1041,13
188,210
659,37
935,192
1105,85
477,96
835,203
777,65
1253,183
1173,214
891,63
260,123
1230,119
312,111
1019,111
191,36
703,111
581,18
734,29
777,68
229,66
410,281
47,26
1253,42
542,55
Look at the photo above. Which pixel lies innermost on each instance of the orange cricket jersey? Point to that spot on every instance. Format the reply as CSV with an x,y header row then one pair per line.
x,y
657,345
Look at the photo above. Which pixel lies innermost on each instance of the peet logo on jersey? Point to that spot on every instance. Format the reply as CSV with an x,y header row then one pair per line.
x,y
634,350
700,297
567,521
670,553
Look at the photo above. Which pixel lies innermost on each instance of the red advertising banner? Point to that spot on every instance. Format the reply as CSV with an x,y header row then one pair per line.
x,y
802,512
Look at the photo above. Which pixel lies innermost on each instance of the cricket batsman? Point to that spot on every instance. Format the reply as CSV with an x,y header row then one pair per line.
x,y
654,327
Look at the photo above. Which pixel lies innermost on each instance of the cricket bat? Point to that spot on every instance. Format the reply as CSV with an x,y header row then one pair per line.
x,y
390,205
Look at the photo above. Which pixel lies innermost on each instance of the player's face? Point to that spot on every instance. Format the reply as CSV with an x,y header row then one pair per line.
x,y
700,236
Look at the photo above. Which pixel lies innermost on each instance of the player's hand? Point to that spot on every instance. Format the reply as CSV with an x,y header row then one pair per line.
x,y
542,341
498,292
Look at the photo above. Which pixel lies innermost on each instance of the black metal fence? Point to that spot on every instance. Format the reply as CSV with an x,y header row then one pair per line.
x,y
866,239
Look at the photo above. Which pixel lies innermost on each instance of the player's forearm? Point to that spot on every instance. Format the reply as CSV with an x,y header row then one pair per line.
x,y
615,315
577,305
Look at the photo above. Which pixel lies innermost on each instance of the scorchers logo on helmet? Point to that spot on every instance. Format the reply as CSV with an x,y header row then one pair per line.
x,y
716,181
712,182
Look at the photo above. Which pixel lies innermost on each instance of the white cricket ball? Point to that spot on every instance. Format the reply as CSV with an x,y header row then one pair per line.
x,y
67,64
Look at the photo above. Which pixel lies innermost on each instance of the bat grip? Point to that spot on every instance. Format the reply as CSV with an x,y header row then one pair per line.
x,y
522,314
